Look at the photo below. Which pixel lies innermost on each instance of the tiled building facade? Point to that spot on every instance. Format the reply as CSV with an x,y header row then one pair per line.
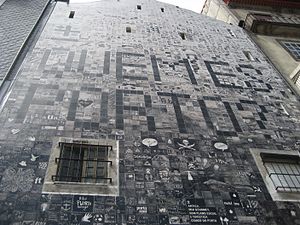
x,y
175,92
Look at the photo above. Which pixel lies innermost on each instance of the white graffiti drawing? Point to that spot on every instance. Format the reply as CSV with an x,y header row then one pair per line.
x,y
17,180
15,131
33,157
38,180
186,145
43,165
190,177
31,138
23,163
44,206
86,217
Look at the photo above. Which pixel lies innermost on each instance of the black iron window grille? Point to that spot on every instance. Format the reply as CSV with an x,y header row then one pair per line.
x,y
83,163
283,170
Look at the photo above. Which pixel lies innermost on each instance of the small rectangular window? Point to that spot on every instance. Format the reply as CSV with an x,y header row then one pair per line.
x,y
249,56
231,33
162,9
139,7
128,29
241,23
182,35
72,13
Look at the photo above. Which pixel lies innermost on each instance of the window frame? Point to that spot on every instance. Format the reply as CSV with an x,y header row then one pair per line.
x,y
81,163
259,156
284,177
285,42
52,186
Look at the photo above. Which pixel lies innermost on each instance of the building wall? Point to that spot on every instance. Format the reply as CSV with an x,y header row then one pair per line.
x,y
283,61
273,50
185,104
218,10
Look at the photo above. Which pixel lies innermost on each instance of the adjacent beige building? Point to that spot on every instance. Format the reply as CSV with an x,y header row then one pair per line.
x,y
273,25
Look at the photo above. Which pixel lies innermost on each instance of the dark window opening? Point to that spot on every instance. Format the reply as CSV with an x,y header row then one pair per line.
x,y
128,29
72,13
83,163
231,33
241,23
182,35
139,7
249,56
162,9
177,7
283,170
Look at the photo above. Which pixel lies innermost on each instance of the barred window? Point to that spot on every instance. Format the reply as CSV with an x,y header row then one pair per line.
x,y
83,163
283,170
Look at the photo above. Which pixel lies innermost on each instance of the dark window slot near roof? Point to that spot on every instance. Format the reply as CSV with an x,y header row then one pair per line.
x,y
241,23
162,9
139,7
72,13
182,35
249,56
128,29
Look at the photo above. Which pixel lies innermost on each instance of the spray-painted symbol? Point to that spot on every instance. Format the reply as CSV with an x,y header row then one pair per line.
x,y
23,163
150,142
33,158
15,131
87,217
38,180
186,145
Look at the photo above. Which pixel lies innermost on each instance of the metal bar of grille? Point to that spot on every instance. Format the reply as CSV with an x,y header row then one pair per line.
x,y
288,168
77,177
97,160
80,162
71,155
84,144
54,178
